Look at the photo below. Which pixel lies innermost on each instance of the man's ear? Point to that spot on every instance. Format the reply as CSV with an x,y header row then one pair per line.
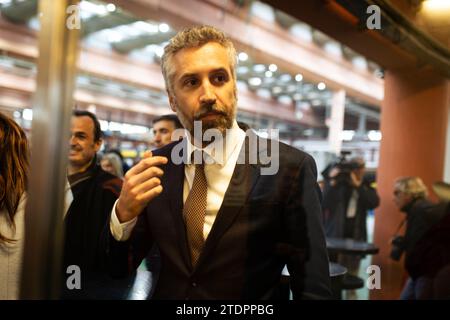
x,y
98,144
172,102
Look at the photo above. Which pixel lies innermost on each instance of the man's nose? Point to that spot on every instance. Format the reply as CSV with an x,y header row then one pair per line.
x,y
207,94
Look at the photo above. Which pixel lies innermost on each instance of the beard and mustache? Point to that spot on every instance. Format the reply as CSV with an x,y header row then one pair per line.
x,y
223,117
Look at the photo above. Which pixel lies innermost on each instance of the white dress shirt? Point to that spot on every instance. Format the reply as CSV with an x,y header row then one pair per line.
x,y
68,197
352,204
219,168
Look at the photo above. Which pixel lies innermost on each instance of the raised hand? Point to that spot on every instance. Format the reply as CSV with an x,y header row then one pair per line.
x,y
141,185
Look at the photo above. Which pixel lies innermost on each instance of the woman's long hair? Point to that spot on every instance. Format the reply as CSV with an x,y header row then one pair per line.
x,y
14,155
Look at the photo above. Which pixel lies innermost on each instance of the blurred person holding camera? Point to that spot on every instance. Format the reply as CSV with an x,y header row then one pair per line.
x,y
347,197
423,240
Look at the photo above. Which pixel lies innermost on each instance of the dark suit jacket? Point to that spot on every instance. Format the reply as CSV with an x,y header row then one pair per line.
x,y
87,234
265,222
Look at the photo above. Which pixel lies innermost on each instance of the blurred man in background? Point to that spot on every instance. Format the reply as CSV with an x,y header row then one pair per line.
x,y
163,127
94,193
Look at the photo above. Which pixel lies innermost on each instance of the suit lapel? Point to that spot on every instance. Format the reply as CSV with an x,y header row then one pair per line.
x,y
175,178
242,182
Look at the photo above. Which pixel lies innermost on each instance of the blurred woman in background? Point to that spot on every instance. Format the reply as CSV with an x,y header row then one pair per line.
x,y
112,163
14,155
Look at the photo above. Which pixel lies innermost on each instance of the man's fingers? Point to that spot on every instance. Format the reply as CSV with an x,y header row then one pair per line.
x,y
151,194
146,186
146,163
145,175
146,154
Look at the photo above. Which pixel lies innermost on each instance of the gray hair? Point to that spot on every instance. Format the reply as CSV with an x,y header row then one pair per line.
x,y
195,37
116,163
413,186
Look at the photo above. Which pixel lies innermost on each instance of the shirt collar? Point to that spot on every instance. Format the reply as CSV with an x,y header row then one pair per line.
x,y
83,175
221,149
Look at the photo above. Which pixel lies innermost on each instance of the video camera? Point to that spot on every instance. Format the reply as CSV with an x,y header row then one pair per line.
x,y
398,246
345,167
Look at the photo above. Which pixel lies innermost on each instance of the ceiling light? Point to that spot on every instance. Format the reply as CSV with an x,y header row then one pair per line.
x,y
164,27
114,37
111,7
347,135
243,56
264,93
277,90
259,68
133,129
159,51
242,70
436,5
360,62
269,80
284,99
285,77
374,135
104,126
145,26
298,77
27,114
132,32
312,95
254,81
304,105
92,8
297,96
321,86
268,74
273,67
114,126
92,108
291,88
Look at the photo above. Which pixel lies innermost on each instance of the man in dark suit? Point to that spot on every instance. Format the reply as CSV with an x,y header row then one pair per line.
x,y
226,222
86,224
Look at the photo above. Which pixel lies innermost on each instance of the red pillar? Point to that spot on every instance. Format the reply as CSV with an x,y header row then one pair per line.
x,y
414,125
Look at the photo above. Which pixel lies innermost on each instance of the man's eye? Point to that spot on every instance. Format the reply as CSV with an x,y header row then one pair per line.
x,y
220,78
191,82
